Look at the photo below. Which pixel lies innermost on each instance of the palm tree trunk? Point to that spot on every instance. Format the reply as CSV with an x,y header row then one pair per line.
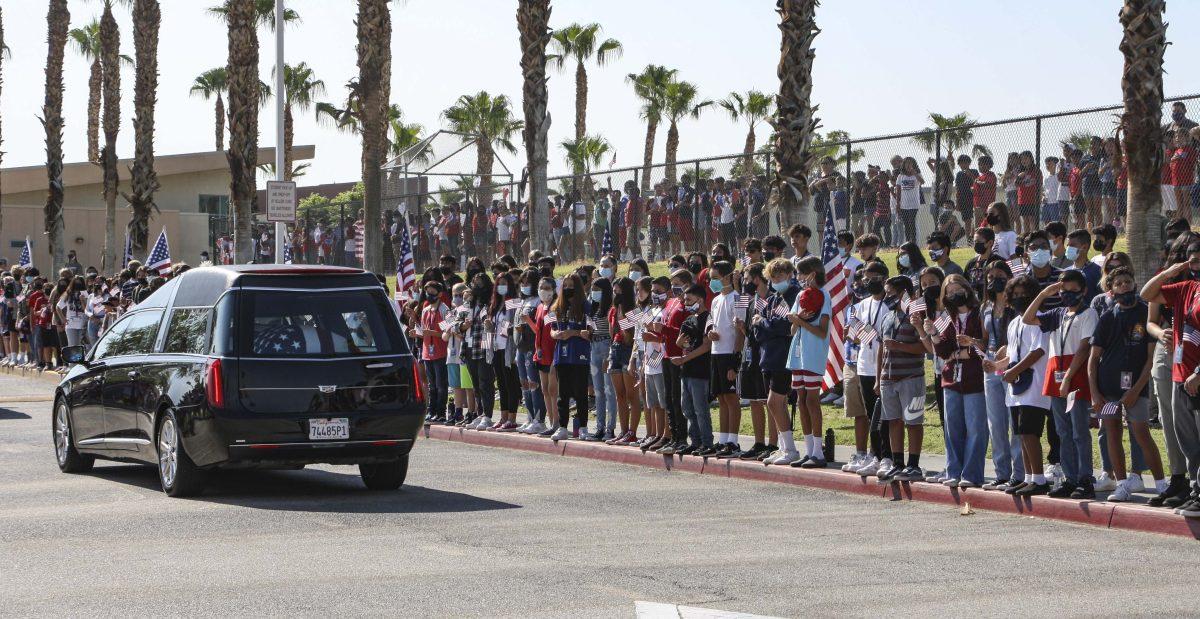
x,y
243,121
58,19
93,117
794,122
483,171
1143,41
143,180
287,143
581,95
110,49
648,153
533,21
220,123
672,150
748,161
374,83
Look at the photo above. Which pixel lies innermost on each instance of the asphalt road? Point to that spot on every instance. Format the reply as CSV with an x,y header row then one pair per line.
x,y
490,532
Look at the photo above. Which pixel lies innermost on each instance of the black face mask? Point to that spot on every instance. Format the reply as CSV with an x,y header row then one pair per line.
x,y
956,300
992,220
695,267
1098,245
997,285
980,247
547,272
931,295
568,293
1020,303
891,302
447,271
874,286
749,288
1127,298
768,256
1070,298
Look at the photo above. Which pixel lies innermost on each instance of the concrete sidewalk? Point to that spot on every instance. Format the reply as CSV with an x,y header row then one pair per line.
x,y
1128,516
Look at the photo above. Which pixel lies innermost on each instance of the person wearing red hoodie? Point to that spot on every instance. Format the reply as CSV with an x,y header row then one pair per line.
x,y
674,313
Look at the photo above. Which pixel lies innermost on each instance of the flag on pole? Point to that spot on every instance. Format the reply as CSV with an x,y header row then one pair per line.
x,y
406,272
287,250
606,246
128,257
26,258
160,255
839,298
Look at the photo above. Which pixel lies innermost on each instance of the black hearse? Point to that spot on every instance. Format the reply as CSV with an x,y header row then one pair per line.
x,y
255,366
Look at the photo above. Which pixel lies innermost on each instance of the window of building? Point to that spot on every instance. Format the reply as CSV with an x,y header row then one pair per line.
x,y
214,205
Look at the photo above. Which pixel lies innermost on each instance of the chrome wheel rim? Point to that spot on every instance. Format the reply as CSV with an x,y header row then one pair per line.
x,y
168,452
62,434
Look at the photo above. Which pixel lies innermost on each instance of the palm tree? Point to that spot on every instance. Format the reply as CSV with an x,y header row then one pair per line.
x,y
833,144
110,60
679,100
244,97
533,22
373,91
86,41
579,42
488,122
214,83
58,20
403,136
265,12
794,120
753,107
1143,41
461,187
586,154
143,180
649,86
302,87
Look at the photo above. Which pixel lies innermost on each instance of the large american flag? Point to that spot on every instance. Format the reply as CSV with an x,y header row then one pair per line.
x,y
26,258
406,271
160,255
128,257
839,298
359,231
606,245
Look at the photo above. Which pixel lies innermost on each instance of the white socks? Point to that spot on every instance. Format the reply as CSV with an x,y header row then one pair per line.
x,y
786,442
1160,485
1039,479
1029,478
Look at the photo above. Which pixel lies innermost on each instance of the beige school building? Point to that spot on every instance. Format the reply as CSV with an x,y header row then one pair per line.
x,y
193,202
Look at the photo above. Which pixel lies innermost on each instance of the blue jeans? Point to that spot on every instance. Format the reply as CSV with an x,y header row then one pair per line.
x,y
435,375
535,401
966,435
1137,461
1075,439
602,386
1006,446
695,408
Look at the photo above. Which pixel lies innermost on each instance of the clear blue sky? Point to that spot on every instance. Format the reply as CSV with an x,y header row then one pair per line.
x,y
880,66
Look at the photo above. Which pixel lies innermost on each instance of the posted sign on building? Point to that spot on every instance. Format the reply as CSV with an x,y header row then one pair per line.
x,y
281,201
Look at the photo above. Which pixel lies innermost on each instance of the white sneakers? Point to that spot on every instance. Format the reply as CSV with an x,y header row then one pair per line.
x,y
1054,475
1105,483
536,427
885,466
1135,483
950,482
869,466
1121,493
854,463
560,434
783,458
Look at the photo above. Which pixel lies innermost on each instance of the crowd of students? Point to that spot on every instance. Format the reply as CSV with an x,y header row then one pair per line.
x,y
1031,339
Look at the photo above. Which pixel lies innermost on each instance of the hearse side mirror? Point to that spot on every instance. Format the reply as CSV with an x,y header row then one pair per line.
x,y
74,354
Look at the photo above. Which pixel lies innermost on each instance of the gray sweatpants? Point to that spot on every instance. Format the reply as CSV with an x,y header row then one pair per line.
x,y
1164,390
1187,431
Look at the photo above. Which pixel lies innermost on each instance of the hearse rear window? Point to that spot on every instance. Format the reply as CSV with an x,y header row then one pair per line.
x,y
343,323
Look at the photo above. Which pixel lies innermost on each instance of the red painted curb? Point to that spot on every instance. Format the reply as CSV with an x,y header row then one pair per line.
x,y
1094,513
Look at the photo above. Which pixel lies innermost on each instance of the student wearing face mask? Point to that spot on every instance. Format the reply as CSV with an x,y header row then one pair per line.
x,y
938,244
727,343
773,247
433,350
1104,239
1037,246
638,269
695,368
1068,330
608,268
524,338
543,356
697,264
1000,223
1056,232
750,384
477,350
1078,242
652,296
773,331
621,371
1005,442
808,353
504,351
910,262
1119,373
979,265
1022,360
901,384
572,354
962,385
601,298
667,330
869,315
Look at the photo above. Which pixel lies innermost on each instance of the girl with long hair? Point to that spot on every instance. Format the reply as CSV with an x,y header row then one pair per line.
x,y
572,352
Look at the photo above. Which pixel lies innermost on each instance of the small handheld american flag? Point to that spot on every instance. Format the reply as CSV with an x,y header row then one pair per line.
x,y
917,306
1110,409
941,324
513,304
867,335
781,310
625,323
759,304
742,302
1191,336
160,255
1017,266
445,325
26,258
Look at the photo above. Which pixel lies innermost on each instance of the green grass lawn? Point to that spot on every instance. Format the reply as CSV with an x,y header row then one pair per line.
x,y
835,417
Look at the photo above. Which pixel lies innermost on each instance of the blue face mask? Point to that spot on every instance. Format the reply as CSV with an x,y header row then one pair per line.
x,y
1072,253
716,286
606,272
1039,257
904,261
502,289
597,295
526,290
635,275
781,286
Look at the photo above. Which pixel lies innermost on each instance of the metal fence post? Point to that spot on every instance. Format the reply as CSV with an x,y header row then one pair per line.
x,y
937,178
1037,140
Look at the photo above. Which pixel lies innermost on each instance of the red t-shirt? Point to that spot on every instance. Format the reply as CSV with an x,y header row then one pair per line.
x,y
39,317
1184,300
1183,166
1029,187
672,318
883,198
614,326
1075,182
984,189
543,352
433,347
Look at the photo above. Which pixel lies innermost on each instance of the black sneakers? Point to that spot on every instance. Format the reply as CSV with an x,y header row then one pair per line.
x,y
1032,489
1084,491
1064,491
1176,487
770,449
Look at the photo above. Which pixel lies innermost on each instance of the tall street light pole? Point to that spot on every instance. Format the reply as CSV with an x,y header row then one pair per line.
x,y
280,100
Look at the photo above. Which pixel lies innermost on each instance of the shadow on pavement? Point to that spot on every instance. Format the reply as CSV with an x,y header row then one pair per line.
x,y
310,491
8,413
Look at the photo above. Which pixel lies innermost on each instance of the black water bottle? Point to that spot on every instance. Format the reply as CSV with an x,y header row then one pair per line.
x,y
829,444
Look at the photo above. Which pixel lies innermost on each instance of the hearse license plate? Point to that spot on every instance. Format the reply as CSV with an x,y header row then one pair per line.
x,y
337,428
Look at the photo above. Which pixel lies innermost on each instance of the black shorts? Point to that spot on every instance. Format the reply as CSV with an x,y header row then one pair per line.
x,y
1029,420
49,337
750,383
544,369
718,378
778,381
1078,206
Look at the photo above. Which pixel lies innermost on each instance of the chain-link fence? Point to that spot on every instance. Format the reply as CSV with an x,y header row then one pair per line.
x,y
901,187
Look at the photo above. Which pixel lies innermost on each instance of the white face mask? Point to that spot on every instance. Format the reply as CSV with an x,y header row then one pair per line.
x,y
546,295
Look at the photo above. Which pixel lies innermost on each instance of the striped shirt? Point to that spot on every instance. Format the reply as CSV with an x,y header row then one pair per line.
x,y
899,365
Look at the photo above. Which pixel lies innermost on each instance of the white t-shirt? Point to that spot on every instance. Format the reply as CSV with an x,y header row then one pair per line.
x,y
1022,340
1064,189
910,191
726,209
721,317
870,312
852,265
1006,244
1050,188
1098,260
1072,329
580,216
649,348
504,227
